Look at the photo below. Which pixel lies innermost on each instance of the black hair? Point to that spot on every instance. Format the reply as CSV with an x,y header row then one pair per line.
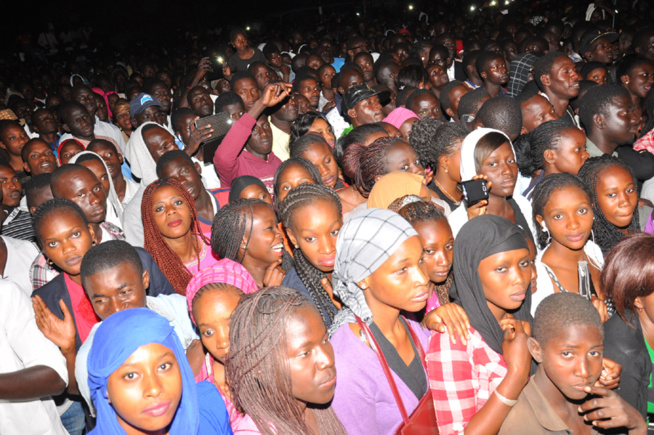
x,y
531,40
472,101
89,157
99,142
590,66
403,96
547,136
6,123
470,58
170,156
584,87
303,124
443,141
598,101
542,193
356,135
627,64
54,205
108,255
240,75
559,312
446,101
235,32
410,76
299,146
311,277
441,48
300,161
417,93
66,169
178,114
483,59
502,113
299,79
543,66
527,94
25,149
227,99
150,83
37,184
269,49
607,235
423,140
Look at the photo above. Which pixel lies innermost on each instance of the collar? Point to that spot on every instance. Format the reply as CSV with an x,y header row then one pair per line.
x,y
543,411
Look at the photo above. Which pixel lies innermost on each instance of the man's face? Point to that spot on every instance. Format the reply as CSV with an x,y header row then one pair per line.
x,y
620,121
185,172
563,81
288,111
260,142
367,111
44,122
40,159
350,79
248,90
149,114
116,289
495,71
159,142
80,123
263,76
85,96
84,189
201,102
162,94
535,112
311,90
602,51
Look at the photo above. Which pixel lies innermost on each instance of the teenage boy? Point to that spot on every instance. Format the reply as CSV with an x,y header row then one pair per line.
x,y
492,69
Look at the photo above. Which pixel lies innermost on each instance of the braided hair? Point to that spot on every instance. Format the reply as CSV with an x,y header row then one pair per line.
x,y
300,161
431,139
542,193
304,144
607,235
257,367
303,124
230,226
547,136
423,211
306,195
167,260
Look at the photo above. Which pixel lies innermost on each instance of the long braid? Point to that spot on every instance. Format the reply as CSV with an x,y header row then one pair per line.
x,y
257,368
167,260
306,195
547,136
606,234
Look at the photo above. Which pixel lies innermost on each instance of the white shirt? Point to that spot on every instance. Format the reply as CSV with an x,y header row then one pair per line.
x,y
22,345
20,254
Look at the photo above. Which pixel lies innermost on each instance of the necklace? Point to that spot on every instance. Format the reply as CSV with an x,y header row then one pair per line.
x,y
442,189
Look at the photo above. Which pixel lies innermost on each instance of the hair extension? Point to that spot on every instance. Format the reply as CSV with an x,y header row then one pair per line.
x,y
257,367
547,136
358,134
607,235
311,277
542,193
167,260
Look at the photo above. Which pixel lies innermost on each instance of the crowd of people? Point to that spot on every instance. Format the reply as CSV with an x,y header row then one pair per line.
x,y
439,225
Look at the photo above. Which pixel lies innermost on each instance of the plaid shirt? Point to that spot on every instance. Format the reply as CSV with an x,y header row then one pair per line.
x,y
519,71
461,378
645,143
42,273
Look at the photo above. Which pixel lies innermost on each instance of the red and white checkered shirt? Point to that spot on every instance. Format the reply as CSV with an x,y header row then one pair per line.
x,y
461,378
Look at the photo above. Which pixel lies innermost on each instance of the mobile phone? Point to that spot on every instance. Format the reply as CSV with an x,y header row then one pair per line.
x,y
474,191
221,123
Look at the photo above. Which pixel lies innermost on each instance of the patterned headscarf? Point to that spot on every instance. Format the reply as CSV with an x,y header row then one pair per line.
x,y
364,243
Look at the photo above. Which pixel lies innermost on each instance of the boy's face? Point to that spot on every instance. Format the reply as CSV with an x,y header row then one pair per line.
x,y
186,173
116,289
536,111
40,159
495,71
572,360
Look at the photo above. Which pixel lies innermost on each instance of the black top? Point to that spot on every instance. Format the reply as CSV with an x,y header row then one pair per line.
x,y
236,64
412,375
292,280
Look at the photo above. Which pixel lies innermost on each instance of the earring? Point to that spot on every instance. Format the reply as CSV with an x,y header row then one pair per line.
x,y
447,170
546,231
363,286
93,243
50,263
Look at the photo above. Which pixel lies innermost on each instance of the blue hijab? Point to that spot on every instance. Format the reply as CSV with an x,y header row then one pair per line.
x,y
115,340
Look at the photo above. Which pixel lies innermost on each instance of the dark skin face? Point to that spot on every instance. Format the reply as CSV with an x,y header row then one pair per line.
x,y
69,150
365,62
248,90
437,76
640,81
495,71
350,79
235,111
260,141
200,101
13,139
602,51
116,289
186,173
85,96
79,122
44,122
367,111
112,159
162,94
536,111
619,124
288,111
10,187
501,168
310,88
40,159
427,105
263,75
84,189
149,114
158,142
455,97
563,80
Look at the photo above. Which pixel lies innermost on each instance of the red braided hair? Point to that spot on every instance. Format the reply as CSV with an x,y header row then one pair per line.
x,y
167,260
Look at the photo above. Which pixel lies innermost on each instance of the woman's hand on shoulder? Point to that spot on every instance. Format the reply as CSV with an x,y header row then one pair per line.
x,y
450,318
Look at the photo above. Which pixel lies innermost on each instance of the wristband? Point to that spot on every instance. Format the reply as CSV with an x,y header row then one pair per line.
x,y
504,400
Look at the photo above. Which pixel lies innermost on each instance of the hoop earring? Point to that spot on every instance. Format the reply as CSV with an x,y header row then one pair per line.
x,y
549,236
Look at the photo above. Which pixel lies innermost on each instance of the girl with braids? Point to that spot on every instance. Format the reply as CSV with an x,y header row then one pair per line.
x,y
488,153
280,366
172,232
312,122
614,199
315,149
311,215
570,262
290,174
246,231
439,147
555,147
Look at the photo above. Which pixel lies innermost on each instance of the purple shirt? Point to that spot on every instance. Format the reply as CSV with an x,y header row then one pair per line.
x,y
363,400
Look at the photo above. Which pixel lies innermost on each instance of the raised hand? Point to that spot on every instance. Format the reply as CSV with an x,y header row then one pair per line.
x,y
61,332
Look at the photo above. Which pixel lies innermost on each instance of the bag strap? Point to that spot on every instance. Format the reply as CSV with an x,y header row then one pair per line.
x,y
387,371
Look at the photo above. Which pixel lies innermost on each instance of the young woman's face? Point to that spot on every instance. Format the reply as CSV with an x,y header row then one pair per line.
x,y
65,240
569,217
641,80
14,139
254,191
111,159
146,390
171,212
100,172
322,128
617,197
438,243
314,230
571,153
453,162
69,150
266,243
502,170
505,277
320,154
212,311
402,157
598,75
401,282
291,177
310,357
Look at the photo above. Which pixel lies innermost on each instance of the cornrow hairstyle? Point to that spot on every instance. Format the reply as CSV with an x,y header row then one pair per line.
x,y
547,136
543,66
108,255
559,312
257,368
358,134
230,226
542,193
307,195
607,235
302,125
167,260
446,101
221,287
598,101
423,139
227,99
54,205
422,211
369,162
300,161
